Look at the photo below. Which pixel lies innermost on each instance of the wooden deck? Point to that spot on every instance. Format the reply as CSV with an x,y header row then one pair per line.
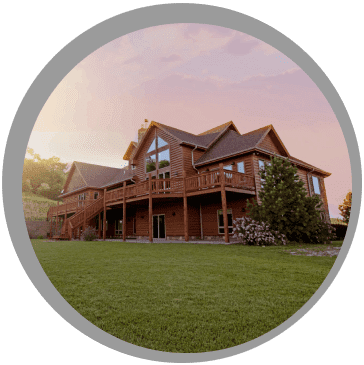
x,y
205,183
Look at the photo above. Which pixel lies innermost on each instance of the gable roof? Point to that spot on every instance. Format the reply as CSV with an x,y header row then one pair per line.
x,y
130,150
202,140
220,128
94,176
232,143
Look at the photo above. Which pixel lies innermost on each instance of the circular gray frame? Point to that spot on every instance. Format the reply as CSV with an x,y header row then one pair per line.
x,y
63,63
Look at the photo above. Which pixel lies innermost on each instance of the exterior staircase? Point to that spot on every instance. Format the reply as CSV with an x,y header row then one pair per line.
x,y
71,226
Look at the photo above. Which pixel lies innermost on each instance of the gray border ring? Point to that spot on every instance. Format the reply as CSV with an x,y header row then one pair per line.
x,y
63,63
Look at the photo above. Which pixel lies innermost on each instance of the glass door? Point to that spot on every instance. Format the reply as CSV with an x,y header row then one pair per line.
x,y
159,226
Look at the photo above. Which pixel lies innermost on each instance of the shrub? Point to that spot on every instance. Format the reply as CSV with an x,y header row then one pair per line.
x,y
89,234
40,237
340,230
254,233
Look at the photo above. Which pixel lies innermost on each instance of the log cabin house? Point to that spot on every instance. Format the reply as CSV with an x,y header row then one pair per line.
x,y
177,185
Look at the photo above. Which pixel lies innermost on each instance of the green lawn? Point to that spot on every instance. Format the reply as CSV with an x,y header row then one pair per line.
x,y
179,297
36,207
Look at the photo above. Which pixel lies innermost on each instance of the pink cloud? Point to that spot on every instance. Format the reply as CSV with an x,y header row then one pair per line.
x,y
239,46
171,58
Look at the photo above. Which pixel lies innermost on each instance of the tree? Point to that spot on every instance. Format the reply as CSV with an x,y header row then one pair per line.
x,y
345,207
285,205
44,177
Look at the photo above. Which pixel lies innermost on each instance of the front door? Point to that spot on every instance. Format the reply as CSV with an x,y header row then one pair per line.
x,y
159,227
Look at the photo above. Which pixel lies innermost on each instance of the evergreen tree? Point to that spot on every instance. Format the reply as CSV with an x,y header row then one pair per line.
x,y
286,206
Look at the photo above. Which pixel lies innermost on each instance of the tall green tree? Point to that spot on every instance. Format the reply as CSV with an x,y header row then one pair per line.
x,y
44,177
286,206
345,207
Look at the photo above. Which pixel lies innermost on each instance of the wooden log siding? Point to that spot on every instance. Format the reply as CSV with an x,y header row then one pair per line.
x,y
187,159
270,143
248,164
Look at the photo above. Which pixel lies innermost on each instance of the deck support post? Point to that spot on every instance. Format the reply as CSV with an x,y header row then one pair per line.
x,y
84,217
99,229
150,209
185,208
104,218
223,201
124,211
57,218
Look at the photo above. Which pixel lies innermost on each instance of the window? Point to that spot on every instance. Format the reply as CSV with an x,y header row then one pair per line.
x,y
151,163
119,227
161,142
96,195
228,167
220,220
156,158
241,167
163,159
81,199
316,185
133,167
152,147
262,165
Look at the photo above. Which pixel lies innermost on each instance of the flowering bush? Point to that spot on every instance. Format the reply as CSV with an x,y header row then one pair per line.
x,y
89,234
254,233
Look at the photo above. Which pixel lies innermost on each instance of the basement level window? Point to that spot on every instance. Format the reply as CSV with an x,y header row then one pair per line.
x,y
220,221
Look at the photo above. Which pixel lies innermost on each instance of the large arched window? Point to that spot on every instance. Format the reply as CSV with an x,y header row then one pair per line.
x,y
157,156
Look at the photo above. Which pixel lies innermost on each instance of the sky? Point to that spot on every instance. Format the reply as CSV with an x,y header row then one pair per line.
x,y
193,77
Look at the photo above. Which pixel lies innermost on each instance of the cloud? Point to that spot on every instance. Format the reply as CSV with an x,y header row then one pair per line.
x,y
135,59
239,46
294,77
171,58
193,30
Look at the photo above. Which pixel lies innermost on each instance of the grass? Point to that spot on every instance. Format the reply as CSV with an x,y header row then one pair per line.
x,y
36,207
178,297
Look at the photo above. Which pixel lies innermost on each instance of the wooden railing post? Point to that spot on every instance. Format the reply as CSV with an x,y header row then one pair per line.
x,y
124,211
104,218
223,201
150,209
185,208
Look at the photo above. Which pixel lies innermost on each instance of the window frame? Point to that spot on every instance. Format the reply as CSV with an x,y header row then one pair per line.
x,y
156,151
237,166
222,228
117,227
314,185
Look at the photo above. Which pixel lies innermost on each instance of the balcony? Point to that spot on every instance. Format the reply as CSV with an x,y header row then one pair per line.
x,y
203,183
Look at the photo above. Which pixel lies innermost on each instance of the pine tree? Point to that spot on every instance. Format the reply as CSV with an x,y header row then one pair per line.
x,y
286,206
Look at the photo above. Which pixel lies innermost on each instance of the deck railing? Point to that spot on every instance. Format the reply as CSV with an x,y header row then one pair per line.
x,y
204,181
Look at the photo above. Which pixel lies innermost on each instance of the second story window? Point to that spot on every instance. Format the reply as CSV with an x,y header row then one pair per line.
x,y
157,156
316,185
262,164
228,167
96,195
241,167
81,199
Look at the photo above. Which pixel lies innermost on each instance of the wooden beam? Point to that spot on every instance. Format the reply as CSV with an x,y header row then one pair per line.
x,y
104,218
99,230
150,209
185,208
84,216
224,204
124,212
57,217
